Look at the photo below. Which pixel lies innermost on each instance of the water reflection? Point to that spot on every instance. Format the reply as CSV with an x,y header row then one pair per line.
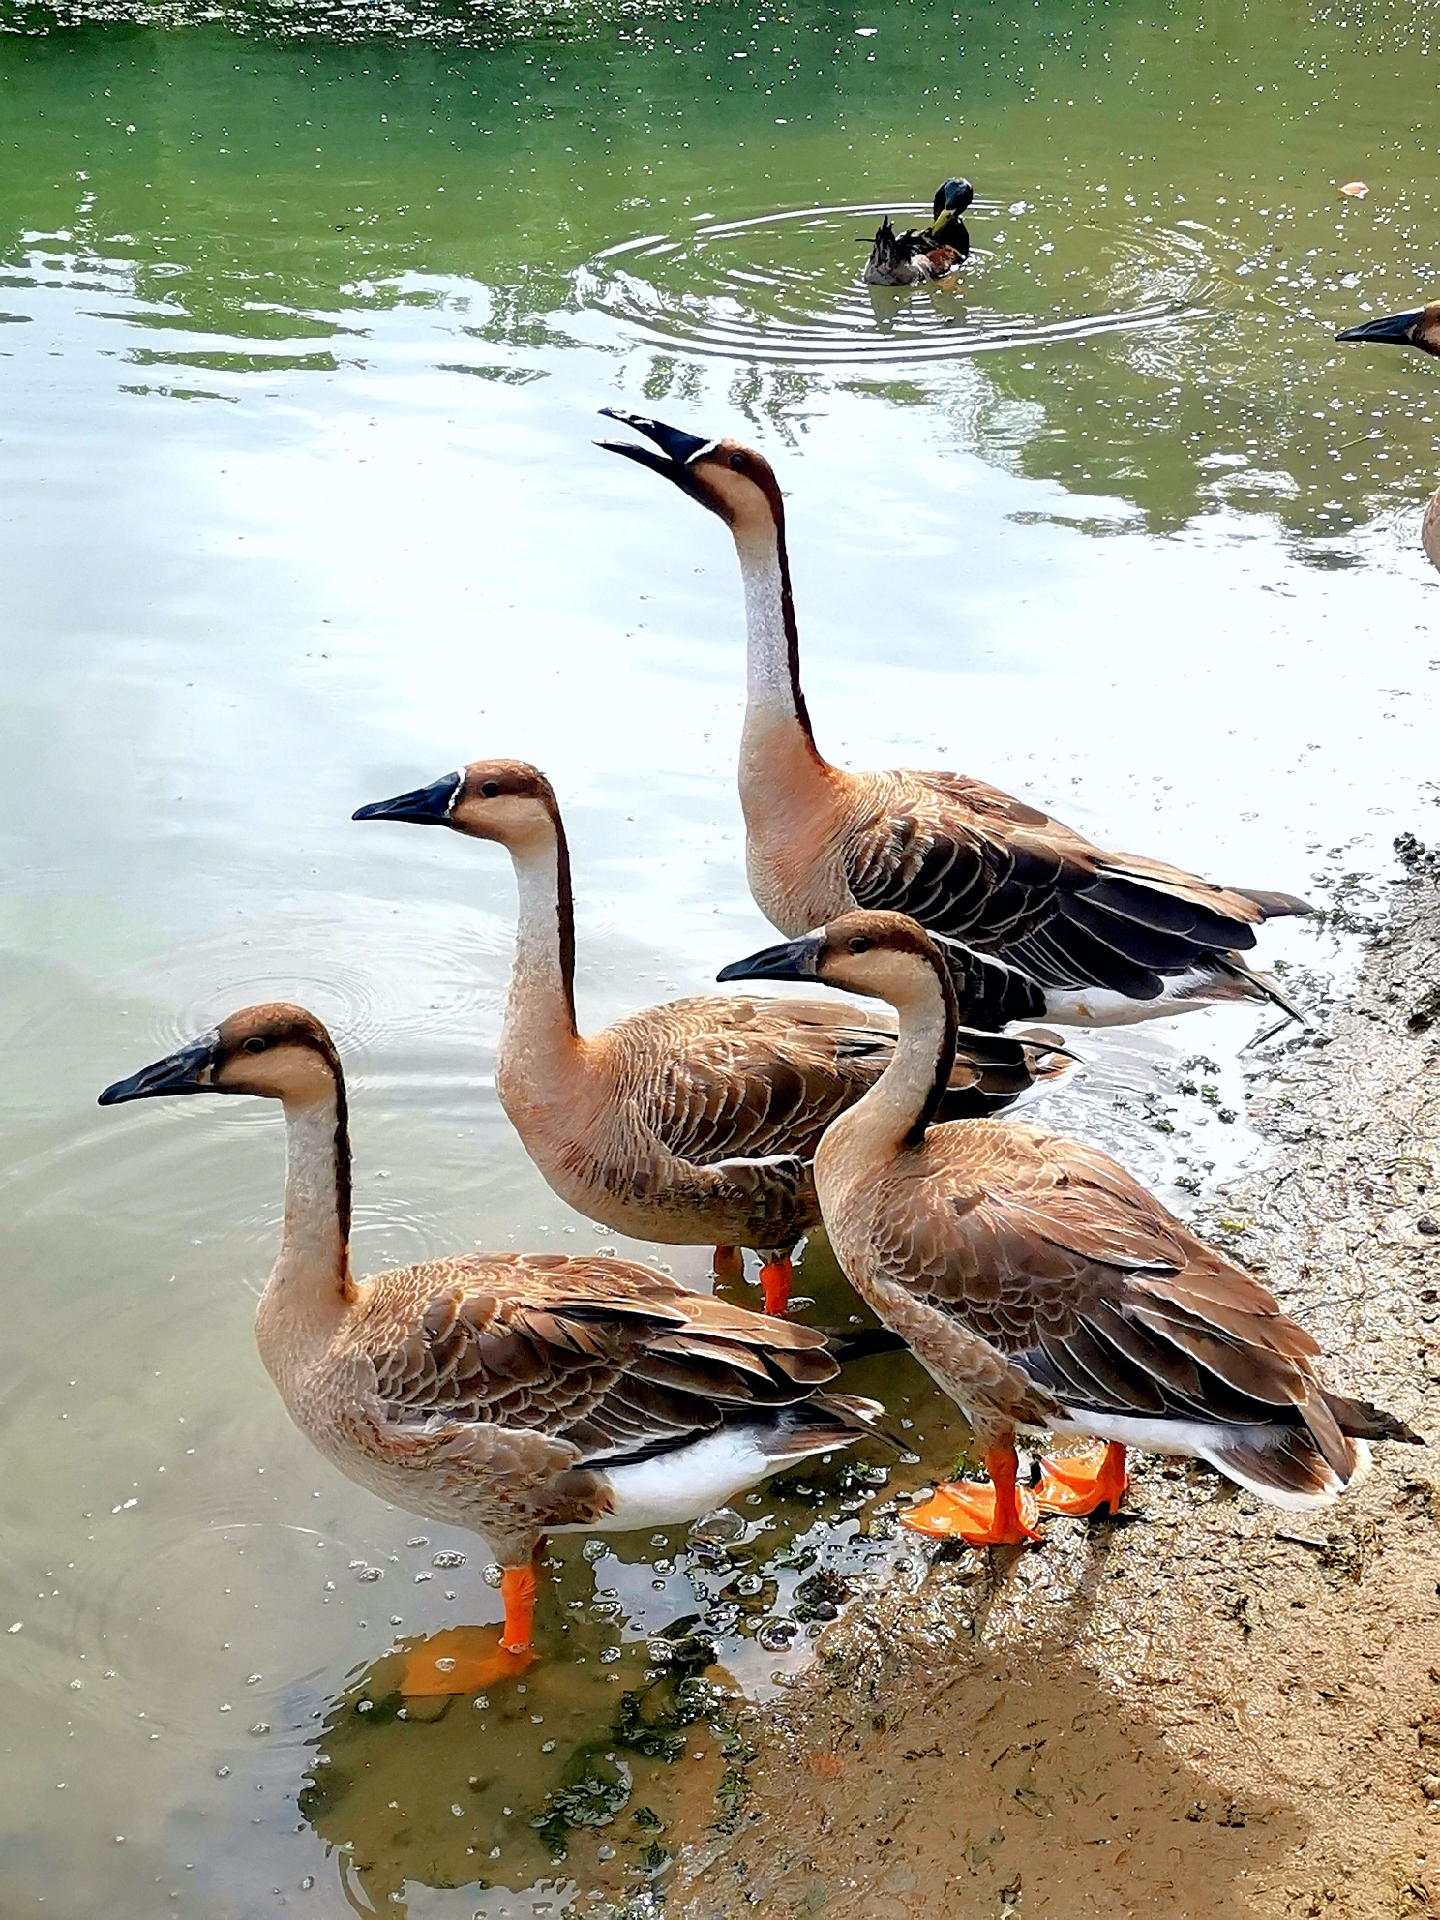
x,y
303,351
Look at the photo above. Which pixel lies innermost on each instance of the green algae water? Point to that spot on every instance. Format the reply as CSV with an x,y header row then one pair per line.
x,y
305,316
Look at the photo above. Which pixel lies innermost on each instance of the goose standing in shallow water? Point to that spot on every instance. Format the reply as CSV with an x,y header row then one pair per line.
x,y
904,259
1044,1289
691,1123
514,1394
1075,934
1418,328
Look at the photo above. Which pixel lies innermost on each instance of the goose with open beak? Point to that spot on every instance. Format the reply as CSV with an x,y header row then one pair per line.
x,y
1043,1288
1035,920
516,1395
1418,328
692,1123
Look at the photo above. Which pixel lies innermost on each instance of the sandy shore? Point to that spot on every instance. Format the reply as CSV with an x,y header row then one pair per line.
x,y
1210,1709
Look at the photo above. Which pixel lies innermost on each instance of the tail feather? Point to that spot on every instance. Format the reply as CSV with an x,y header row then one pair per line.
x,y
1362,1420
822,1423
1274,906
1259,986
1285,1467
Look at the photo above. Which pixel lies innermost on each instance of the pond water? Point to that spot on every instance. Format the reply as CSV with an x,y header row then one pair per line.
x,y
299,507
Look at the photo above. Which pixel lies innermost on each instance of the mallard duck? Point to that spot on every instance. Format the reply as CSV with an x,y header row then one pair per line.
x,y
1073,933
690,1123
1043,1288
933,253
1418,328
517,1395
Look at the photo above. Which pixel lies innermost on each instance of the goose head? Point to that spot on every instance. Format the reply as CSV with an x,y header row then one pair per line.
x,y
885,956
1420,327
505,800
732,480
278,1051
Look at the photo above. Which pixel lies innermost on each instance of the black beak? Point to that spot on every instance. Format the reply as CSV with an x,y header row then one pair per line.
x,y
791,960
426,806
677,449
955,196
1396,330
188,1071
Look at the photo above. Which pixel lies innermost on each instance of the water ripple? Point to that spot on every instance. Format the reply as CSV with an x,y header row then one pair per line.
x,y
786,286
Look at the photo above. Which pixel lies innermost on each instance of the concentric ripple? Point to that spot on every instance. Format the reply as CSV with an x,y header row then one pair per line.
x,y
785,287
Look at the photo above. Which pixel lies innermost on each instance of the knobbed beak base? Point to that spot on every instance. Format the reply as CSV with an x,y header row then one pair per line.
x,y
791,960
186,1071
425,806
1395,330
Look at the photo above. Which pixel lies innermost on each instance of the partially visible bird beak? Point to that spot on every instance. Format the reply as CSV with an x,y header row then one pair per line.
x,y
1395,330
791,960
186,1071
677,449
426,806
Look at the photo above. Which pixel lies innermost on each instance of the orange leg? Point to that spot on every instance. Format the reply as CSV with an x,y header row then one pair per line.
x,y
464,1659
1081,1482
729,1264
775,1278
1000,1515
517,1590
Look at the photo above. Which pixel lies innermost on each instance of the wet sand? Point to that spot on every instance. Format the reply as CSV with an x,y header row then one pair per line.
x,y
1210,1709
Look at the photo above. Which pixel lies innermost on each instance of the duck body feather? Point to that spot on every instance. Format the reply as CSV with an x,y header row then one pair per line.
x,y
1045,1289
1041,1286
693,1122
1037,922
511,1394
1103,936
697,1121
521,1395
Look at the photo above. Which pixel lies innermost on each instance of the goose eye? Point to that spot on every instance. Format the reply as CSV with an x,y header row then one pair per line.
x,y
738,462
490,788
861,944
255,1044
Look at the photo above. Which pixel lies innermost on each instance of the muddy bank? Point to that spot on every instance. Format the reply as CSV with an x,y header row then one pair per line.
x,y
1209,1708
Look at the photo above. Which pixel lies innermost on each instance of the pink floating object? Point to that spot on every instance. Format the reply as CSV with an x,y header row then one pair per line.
x,y
1355,189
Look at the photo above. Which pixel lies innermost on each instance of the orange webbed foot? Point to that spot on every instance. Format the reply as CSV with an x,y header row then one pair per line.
x,y
1079,1483
775,1278
965,1510
460,1660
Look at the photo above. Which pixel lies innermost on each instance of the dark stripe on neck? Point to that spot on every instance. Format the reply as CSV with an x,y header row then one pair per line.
x,y
344,1183
769,486
792,636
944,1056
564,906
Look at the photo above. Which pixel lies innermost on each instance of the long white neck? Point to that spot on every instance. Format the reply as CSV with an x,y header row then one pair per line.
x,y
779,760
539,1035
309,1287
896,1111
771,667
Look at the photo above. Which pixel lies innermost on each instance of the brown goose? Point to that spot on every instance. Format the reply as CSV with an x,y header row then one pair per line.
x,y
691,1123
514,1394
1418,328
1045,1289
1075,934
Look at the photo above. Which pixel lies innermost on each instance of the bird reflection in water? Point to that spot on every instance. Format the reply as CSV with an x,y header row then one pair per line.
x,y
491,1790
